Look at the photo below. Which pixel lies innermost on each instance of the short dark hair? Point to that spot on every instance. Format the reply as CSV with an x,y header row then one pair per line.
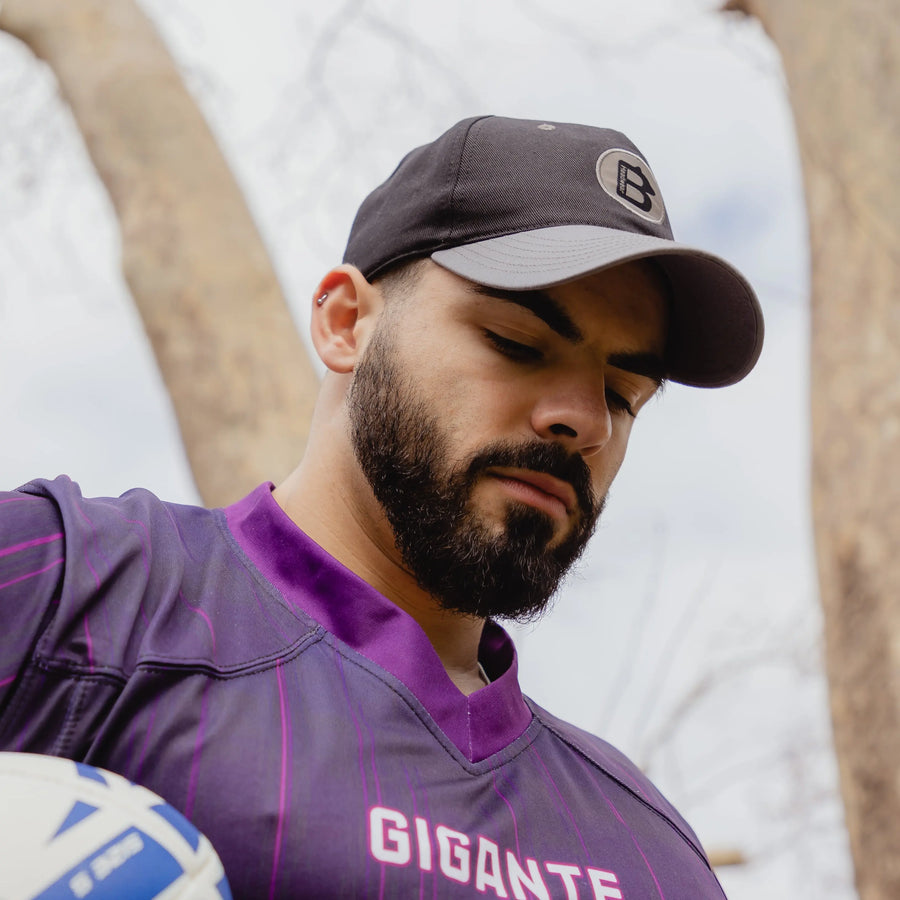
x,y
399,281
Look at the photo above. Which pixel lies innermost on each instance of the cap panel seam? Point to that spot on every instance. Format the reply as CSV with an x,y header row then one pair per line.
x,y
459,171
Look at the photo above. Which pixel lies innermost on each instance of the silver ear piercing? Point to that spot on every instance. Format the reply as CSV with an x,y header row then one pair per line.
x,y
322,299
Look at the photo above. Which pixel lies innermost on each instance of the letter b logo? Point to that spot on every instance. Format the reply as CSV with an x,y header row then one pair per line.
x,y
628,180
633,185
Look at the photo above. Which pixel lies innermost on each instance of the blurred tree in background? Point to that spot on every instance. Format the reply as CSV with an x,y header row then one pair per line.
x,y
842,62
234,365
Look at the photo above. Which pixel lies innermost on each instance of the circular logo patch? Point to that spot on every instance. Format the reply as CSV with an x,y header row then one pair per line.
x,y
628,179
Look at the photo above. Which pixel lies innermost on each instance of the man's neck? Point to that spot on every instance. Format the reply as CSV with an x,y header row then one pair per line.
x,y
348,524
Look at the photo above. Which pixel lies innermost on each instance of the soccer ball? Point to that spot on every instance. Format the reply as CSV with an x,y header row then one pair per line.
x,y
69,831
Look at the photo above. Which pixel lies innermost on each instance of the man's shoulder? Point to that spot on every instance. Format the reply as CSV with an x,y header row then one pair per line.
x,y
617,766
66,495
156,583
136,523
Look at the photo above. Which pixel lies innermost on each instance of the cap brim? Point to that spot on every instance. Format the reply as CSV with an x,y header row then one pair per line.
x,y
716,324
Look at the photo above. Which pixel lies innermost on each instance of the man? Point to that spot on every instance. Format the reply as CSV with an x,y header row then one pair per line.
x,y
314,675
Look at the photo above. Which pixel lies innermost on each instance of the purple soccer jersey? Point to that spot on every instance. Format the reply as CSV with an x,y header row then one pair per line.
x,y
303,721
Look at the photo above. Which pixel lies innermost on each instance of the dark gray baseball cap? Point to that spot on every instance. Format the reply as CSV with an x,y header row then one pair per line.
x,y
524,205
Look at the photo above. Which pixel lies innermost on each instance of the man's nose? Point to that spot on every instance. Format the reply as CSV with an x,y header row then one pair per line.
x,y
574,414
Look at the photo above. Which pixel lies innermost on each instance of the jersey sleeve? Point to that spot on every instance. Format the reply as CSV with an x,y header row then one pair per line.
x,y
32,557
77,579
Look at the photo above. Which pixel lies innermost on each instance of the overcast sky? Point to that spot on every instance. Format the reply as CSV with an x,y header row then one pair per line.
x,y
690,636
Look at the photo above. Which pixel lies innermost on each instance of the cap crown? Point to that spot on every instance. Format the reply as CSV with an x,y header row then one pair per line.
x,y
490,176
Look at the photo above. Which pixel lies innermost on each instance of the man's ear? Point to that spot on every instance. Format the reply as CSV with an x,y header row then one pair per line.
x,y
345,309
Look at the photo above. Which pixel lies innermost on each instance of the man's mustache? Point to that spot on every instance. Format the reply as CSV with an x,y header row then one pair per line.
x,y
550,459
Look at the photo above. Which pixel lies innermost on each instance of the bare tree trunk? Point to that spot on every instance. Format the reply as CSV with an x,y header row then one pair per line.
x,y
842,61
234,365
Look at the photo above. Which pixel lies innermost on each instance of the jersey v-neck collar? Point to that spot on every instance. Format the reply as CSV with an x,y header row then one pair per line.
x,y
309,578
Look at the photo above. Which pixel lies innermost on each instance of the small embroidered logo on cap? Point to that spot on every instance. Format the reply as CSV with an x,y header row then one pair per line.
x,y
628,179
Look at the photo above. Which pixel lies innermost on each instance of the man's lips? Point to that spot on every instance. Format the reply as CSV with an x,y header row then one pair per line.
x,y
539,489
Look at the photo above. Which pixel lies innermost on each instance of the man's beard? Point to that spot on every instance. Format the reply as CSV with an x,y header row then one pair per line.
x,y
454,555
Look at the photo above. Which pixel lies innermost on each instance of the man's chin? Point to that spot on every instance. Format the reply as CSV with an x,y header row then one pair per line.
x,y
501,522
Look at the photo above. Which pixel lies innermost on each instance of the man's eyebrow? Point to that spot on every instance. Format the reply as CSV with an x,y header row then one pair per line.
x,y
542,305
649,365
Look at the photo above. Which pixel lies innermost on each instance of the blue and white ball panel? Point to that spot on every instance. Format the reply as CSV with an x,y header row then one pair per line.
x,y
69,831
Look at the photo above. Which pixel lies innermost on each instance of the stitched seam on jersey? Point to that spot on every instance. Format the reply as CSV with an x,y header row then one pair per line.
x,y
170,664
418,709
263,664
73,709
55,604
81,671
32,659
626,787
81,685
